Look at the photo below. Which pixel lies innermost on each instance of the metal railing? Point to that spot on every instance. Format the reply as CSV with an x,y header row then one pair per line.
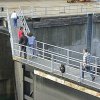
x,y
60,10
71,9
51,61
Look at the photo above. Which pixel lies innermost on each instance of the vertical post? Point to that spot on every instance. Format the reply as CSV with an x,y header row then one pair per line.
x,y
36,49
43,49
23,66
52,62
67,57
32,11
95,66
10,31
81,8
45,10
81,72
64,9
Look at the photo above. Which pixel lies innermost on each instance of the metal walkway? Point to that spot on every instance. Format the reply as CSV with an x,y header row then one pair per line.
x,y
49,57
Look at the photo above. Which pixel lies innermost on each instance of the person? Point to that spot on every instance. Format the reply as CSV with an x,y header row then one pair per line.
x,y
20,31
31,43
14,17
23,41
87,60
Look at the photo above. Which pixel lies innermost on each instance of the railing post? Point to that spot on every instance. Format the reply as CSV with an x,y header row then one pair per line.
x,y
43,49
81,8
95,66
64,9
52,59
32,11
45,10
81,72
10,31
67,57
36,49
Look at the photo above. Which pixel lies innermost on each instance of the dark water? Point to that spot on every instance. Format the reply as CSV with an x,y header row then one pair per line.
x,y
45,89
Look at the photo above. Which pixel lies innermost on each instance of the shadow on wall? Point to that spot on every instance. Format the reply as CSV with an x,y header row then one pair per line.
x,y
6,67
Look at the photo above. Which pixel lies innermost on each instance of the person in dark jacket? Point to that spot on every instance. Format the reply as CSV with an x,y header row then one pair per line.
x,y
23,41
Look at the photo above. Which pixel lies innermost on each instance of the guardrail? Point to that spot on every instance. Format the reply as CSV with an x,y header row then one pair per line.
x,y
60,10
67,10
51,61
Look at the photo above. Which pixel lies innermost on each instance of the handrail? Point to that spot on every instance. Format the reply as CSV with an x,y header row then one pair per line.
x,y
53,61
57,55
60,10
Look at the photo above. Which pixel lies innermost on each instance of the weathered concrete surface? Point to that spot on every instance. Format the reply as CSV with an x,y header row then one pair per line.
x,y
19,79
6,67
67,83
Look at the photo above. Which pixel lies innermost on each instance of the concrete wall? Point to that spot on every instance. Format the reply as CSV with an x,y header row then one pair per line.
x,y
68,32
19,80
6,67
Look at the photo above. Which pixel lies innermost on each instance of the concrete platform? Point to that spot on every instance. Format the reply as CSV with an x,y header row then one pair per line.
x,y
50,8
42,3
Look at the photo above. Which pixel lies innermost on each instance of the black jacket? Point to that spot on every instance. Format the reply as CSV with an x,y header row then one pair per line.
x,y
23,40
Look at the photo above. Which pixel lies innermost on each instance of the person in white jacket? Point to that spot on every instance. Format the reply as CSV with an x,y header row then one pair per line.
x,y
14,17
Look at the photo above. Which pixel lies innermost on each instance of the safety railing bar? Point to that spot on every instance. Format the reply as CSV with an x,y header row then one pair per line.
x,y
72,59
44,65
73,75
61,56
56,60
70,67
64,49
30,54
59,47
47,53
75,66
54,55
